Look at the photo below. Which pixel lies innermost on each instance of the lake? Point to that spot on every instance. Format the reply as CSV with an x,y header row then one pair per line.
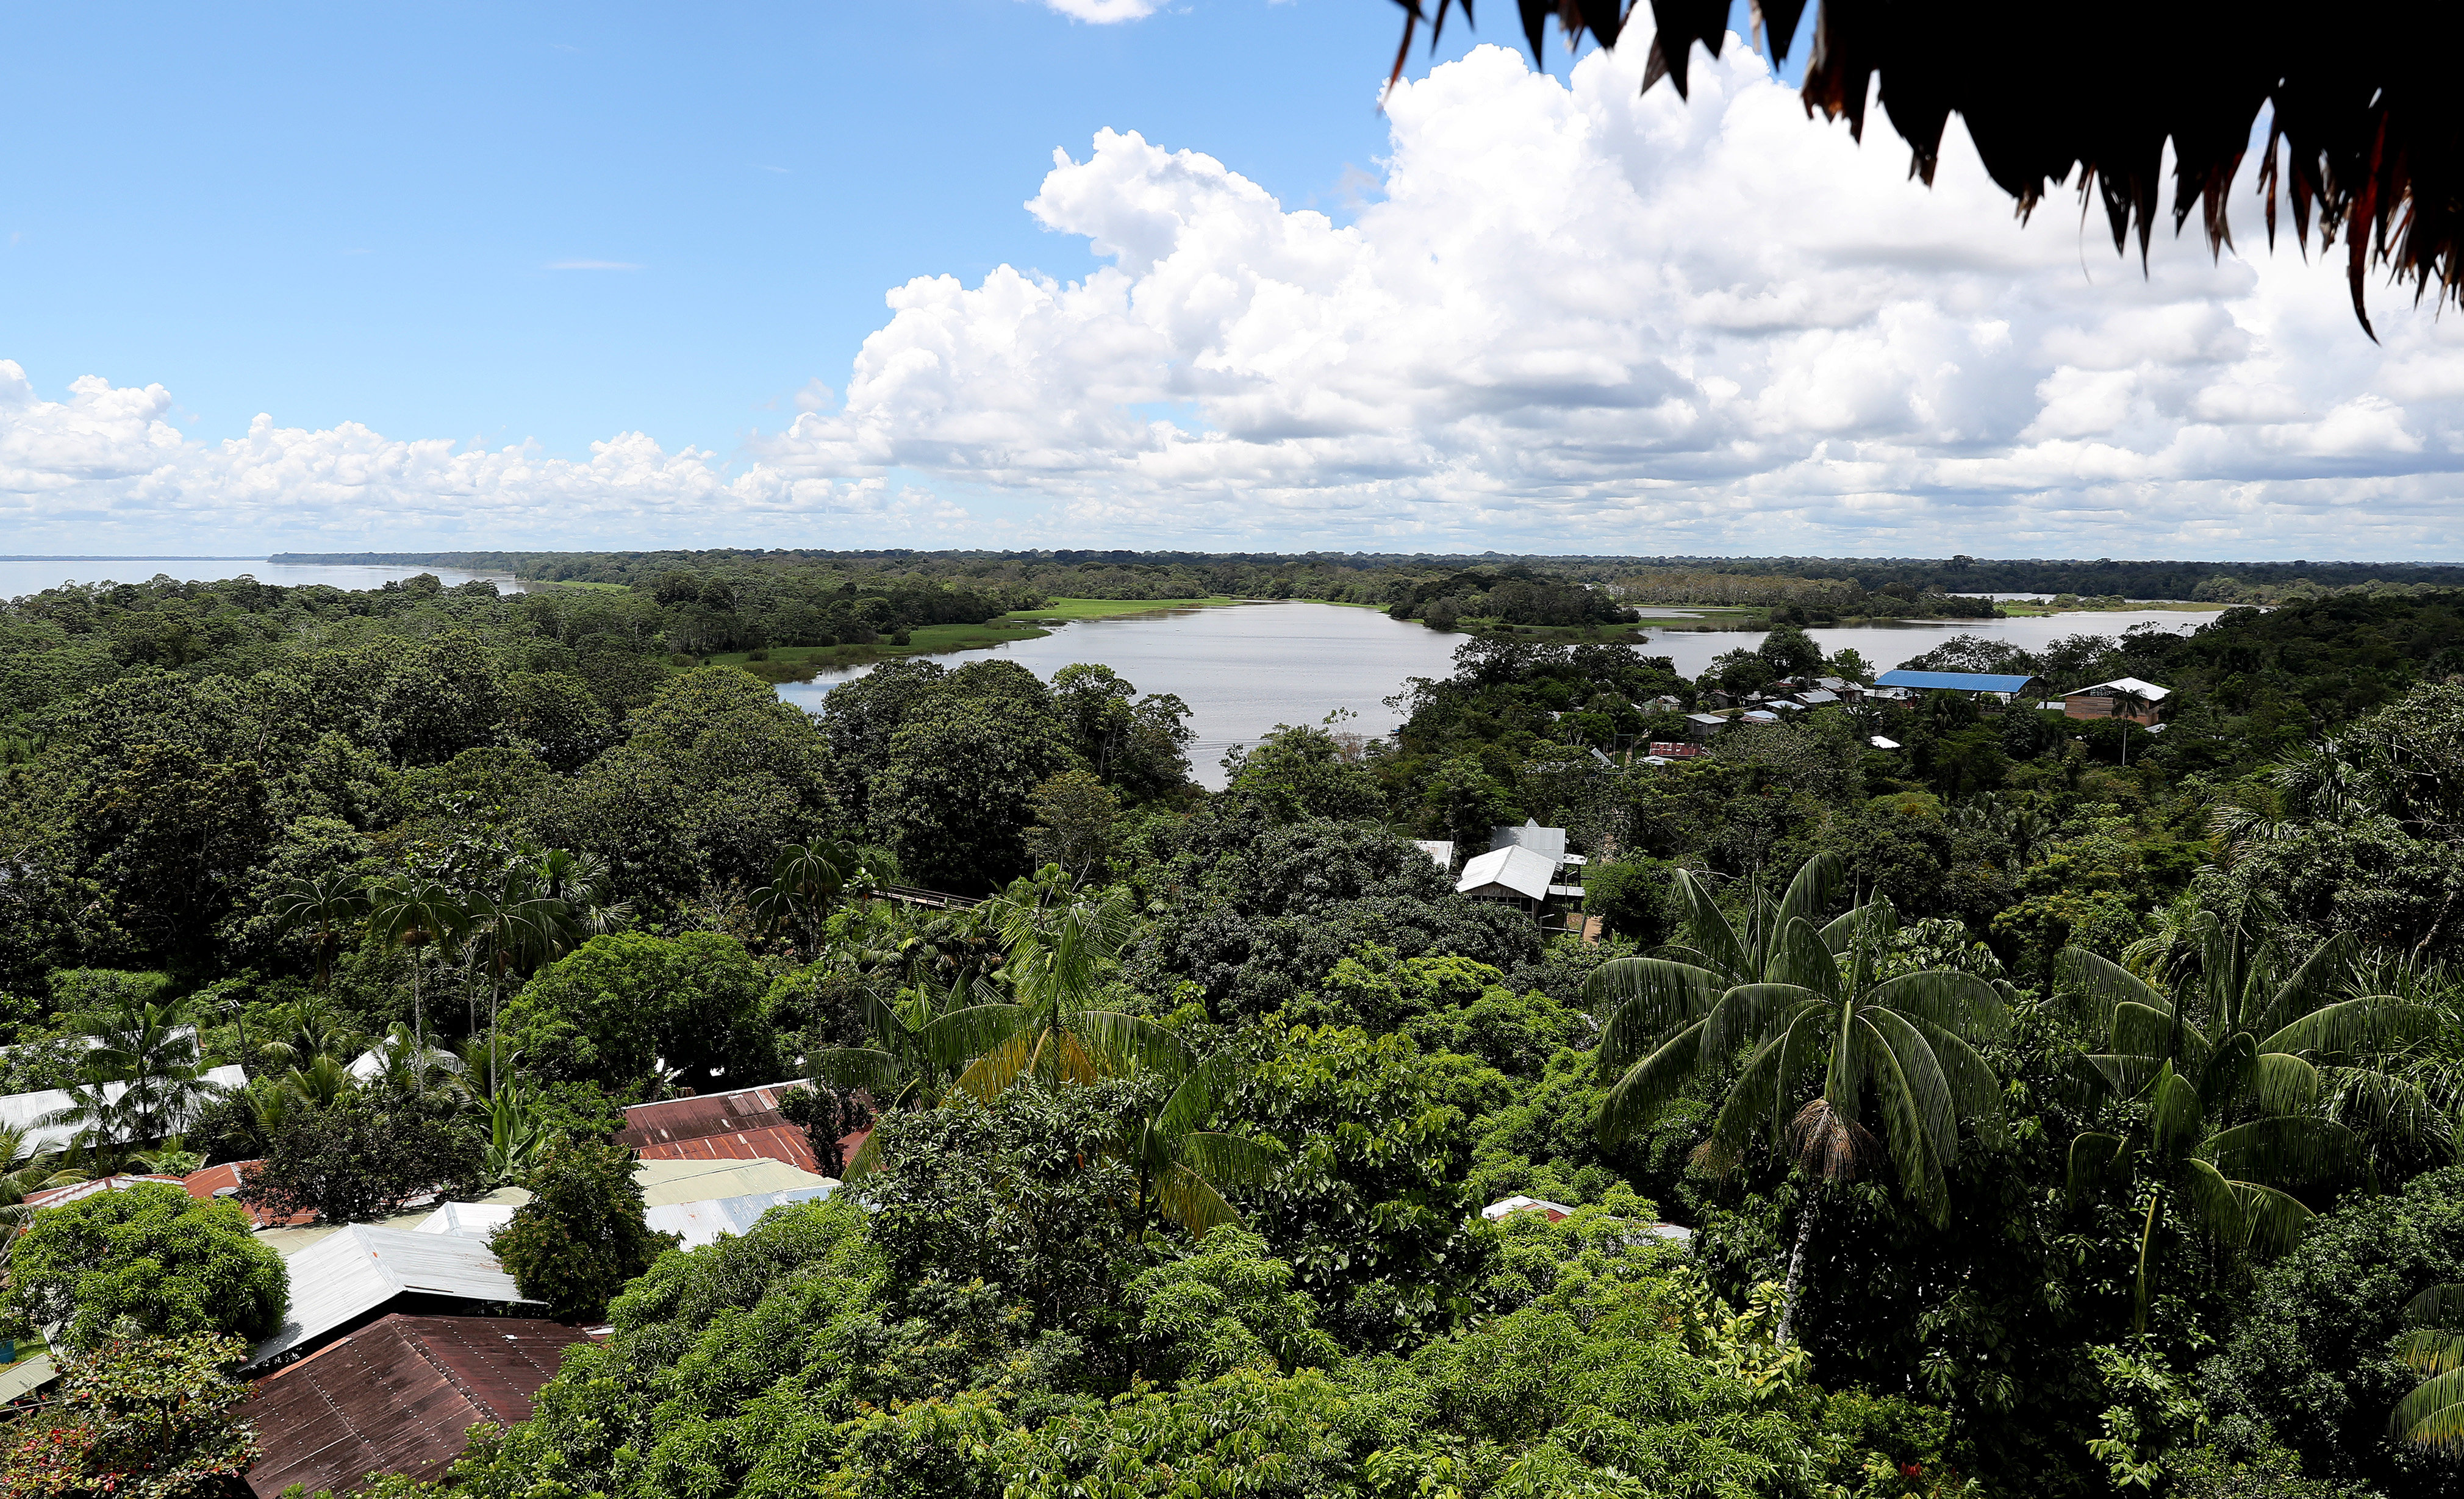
x,y
1245,668
20,578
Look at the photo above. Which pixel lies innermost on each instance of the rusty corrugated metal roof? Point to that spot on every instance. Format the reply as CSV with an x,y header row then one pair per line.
x,y
673,1120
781,1142
397,1397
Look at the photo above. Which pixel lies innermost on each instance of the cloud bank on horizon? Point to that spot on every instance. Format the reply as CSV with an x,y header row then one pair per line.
x,y
1579,319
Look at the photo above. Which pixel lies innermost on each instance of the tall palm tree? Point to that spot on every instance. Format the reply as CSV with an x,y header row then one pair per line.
x,y
2229,1180
1907,1043
806,880
142,1079
325,908
1048,1031
1181,1168
2232,1068
414,915
2433,1415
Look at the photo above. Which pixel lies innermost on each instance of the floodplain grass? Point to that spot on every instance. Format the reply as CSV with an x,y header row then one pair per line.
x,y
2022,609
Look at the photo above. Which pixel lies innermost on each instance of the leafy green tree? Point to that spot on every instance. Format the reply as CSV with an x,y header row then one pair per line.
x,y
23,1169
150,1257
1074,815
1371,1200
580,1237
2316,1361
364,1154
1228,1305
954,794
1789,651
146,1417
1297,774
622,1010
1631,897
1463,801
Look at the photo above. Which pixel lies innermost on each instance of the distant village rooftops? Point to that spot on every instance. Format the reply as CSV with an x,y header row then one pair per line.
x,y
2000,683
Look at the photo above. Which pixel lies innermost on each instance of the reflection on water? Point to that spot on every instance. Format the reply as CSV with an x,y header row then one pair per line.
x,y
1244,668
19,579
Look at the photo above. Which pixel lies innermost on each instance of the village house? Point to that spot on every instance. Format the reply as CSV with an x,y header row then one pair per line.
x,y
2123,697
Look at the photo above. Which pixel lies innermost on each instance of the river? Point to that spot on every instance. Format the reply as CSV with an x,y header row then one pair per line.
x,y
1245,668
18,578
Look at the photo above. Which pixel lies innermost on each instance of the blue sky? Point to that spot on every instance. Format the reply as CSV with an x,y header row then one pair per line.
x,y
342,213
343,277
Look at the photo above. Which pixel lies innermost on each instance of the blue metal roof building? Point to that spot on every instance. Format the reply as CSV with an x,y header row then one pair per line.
x,y
1957,682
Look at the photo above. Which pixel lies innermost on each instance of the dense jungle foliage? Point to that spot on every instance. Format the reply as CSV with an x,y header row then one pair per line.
x,y
2057,1108
1368,578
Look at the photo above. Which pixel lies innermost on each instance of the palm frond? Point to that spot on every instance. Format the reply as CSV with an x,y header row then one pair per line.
x,y
2310,985
2431,1350
992,1073
2376,1020
1928,1088
1640,998
2094,1157
2102,984
867,1159
1635,1098
1797,956
1195,1101
1708,925
1749,1097
1809,894
1751,1013
1911,1103
2216,1205
2433,1415
2281,1084
2440,1307
1113,1042
1801,1048
1189,1200
1228,1159
1959,1002
2293,1148
849,1068
1975,1092
2177,1123
953,1040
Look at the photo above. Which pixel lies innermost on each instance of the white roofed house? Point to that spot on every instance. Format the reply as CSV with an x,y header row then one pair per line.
x,y
1528,866
2122,698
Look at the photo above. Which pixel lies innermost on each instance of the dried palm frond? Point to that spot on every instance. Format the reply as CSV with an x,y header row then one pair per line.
x,y
2362,135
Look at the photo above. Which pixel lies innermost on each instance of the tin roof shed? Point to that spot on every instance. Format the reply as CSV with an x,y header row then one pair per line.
x,y
1507,872
1957,681
399,1396
349,1276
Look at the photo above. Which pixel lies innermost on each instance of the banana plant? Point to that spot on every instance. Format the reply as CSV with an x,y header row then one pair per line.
x,y
518,1137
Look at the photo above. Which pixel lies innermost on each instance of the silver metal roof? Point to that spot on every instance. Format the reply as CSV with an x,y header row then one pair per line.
x,y
2125,686
1519,870
351,1273
1546,842
703,1222
26,1110
1440,852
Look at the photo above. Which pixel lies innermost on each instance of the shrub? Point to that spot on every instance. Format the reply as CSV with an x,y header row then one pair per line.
x,y
580,1237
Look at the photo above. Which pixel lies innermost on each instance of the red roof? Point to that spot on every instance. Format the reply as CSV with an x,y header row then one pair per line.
x,y
226,1179
397,1397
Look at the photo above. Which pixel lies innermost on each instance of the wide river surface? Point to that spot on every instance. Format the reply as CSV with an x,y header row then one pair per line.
x,y
1245,668
20,578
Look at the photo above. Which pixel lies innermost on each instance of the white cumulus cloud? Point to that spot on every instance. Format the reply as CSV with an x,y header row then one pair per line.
x,y
1103,12
1578,318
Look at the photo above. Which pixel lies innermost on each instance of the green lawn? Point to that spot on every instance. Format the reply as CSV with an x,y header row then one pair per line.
x,y
1112,609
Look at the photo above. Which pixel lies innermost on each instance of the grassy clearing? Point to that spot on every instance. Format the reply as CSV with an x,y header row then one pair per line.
x,y
1063,609
803,663
2018,609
